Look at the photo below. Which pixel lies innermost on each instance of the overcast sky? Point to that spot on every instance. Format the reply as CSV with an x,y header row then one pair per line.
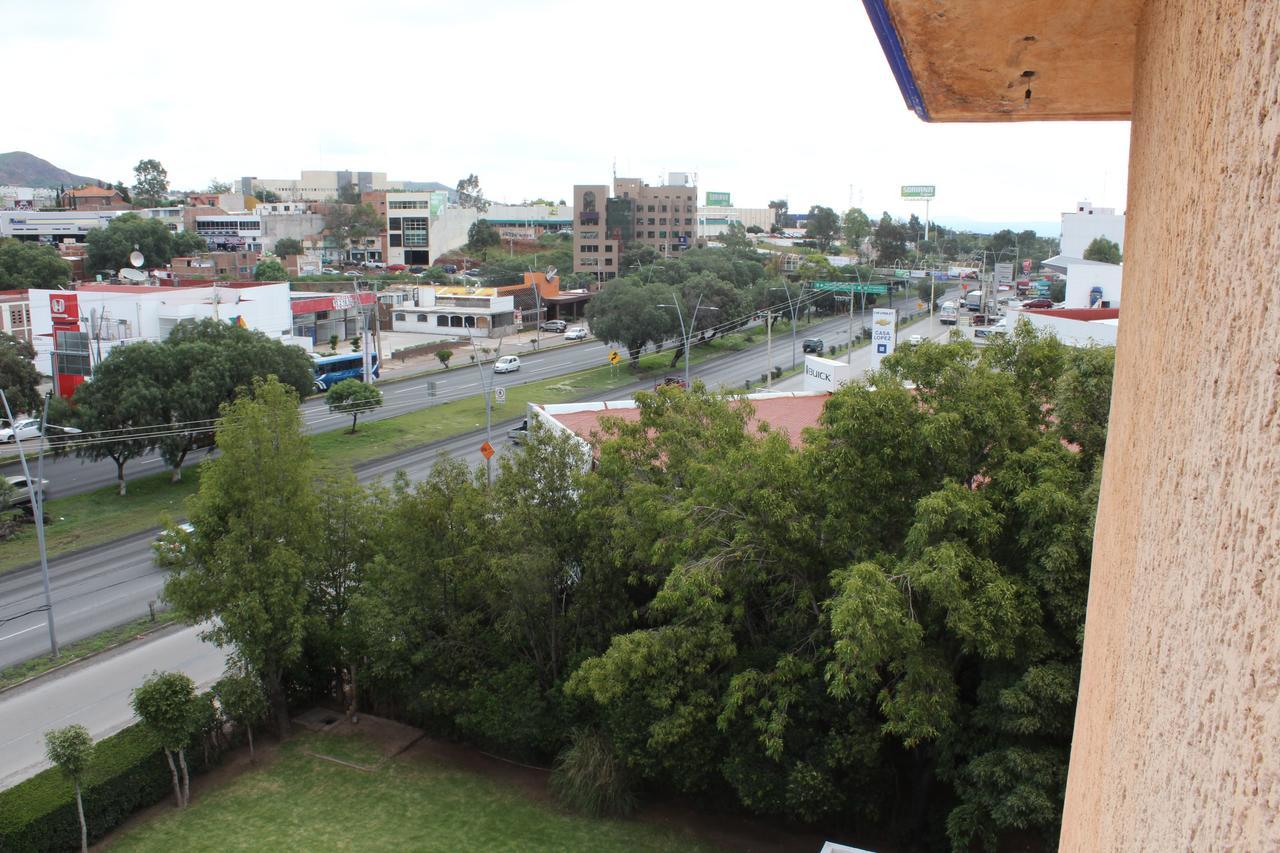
x,y
763,100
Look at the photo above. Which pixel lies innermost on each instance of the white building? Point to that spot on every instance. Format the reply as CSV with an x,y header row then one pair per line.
x,y
1095,327
423,226
457,312
80,327
1081,226
318,185
1090,284
231,232
714,221
54,226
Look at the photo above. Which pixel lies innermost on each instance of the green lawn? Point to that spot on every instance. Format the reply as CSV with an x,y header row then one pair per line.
x,y
299,802
97,517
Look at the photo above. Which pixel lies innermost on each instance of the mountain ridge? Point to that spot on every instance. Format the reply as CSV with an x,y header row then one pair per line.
x,y
22,169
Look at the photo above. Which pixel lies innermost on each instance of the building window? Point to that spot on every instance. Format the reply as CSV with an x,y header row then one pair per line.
x,y
399,318
588,201
415,231
662,221
650,235
394,241
650,222
650,209
608,247
393,224
662,234
662,209
441,320
608,262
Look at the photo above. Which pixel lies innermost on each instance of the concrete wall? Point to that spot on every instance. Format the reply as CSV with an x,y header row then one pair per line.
x,y
277,226
1177,734
1081,229
448,231
1083,278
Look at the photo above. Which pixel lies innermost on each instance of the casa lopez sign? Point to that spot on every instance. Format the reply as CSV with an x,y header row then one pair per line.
x,y
884,332
824,374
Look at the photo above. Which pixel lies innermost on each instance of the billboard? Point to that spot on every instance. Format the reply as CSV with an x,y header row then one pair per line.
x,y
1004,273
918,190
64,310
884,333
718,200
439,198
824,374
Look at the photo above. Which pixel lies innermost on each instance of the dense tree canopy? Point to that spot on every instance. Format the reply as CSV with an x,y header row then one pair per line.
x,y
18,375
1104,250
110,247
287,246
822,227
269,269
28,266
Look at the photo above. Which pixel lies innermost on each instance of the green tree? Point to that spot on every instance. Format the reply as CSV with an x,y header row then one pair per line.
x,y
218,187
352,225
353,397
269,269
167,705
240,694
28,266
754,229
267,196
348,194
822,226
188,243
889,241
443,356
208,363
481,235
18,375
71,750
123,190
470,194
110,247
246,565
626,312
856,226
1104,250
287,246
1058,291
782,219
150,182
127,404
735,237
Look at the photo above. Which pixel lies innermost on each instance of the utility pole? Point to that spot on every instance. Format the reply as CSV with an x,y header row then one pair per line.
x,y
768,325
36,492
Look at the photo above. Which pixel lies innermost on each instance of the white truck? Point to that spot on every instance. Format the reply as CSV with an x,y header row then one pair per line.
x,y
947,313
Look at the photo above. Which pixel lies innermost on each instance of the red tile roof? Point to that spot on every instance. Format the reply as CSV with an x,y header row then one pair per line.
x,y
102,192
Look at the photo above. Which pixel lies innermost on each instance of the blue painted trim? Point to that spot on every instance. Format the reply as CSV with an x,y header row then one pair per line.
x,y
892,47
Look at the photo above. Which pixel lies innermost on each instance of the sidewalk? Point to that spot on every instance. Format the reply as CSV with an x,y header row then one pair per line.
x,y
94,693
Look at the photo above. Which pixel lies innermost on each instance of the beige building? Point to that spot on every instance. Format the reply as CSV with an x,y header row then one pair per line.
x,y
663,217
1177,730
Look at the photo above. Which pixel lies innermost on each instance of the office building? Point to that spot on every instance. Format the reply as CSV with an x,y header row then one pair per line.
x,y
659,216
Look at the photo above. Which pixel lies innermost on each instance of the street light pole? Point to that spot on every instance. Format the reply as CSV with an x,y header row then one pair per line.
x,y
36,491
683,336
486,386
792,308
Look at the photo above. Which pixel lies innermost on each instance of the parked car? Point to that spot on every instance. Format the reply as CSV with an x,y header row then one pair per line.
x,y
330,271
473,273
677,381
449,269
352,273
415,269
554,325
21,495
1037,303
396,268
993,330
915,340
577,333
25,429
814,345
374,265
507,364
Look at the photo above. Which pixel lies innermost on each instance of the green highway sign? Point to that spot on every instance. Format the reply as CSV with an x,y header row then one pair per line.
x,y
918,190
850,287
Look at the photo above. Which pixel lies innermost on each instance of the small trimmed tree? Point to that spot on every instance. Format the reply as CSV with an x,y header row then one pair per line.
x,y
240,694
71,749
333,343
353,397
444,355
166,704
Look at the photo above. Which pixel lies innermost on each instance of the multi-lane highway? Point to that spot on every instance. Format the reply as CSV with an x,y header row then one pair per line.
x,y
111,584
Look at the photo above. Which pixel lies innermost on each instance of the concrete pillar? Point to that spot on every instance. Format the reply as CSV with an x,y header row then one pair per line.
x,y
1177,734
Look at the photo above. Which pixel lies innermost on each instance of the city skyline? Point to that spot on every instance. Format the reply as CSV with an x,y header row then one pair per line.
x,y
746,116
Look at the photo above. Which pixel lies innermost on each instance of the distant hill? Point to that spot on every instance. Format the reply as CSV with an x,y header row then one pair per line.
x,y
20,169
1042,229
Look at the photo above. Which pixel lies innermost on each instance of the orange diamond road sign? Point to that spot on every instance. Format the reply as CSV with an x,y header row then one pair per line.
x,y
487,450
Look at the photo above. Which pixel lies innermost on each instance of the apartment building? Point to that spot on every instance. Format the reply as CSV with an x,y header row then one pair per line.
x,y
663,217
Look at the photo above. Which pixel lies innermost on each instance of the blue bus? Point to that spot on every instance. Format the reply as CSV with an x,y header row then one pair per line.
x,y
332,369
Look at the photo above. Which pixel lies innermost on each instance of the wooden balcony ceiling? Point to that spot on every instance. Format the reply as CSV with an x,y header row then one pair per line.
x,y
973,60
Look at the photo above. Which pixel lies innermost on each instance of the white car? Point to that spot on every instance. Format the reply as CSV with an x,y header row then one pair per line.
x,y
915,339
575,333
507,364
25,429
330,271
21,486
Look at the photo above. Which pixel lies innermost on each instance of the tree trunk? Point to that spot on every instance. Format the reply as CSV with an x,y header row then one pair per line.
x,y
248,729
273,680
84,829
177,466
186,778
173,770
120,475
353,423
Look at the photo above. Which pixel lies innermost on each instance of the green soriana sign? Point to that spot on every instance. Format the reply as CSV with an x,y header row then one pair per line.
x,y
718,200
918,190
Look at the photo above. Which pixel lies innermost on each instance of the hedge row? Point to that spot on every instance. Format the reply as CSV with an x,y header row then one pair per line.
x,y
128,772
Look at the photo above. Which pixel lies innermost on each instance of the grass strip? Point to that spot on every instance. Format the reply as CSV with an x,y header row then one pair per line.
x,y
83,648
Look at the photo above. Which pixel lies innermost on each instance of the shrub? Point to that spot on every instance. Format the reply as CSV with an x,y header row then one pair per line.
x,y
444,355
589,778
128,772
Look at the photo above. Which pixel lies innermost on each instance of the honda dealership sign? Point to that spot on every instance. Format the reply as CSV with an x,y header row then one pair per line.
x,y
823,374
884,333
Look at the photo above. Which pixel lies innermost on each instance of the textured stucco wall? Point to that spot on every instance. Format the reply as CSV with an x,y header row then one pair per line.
x,y
1177,737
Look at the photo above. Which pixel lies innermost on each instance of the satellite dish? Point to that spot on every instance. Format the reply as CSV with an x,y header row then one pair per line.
x,y
135,258
133,275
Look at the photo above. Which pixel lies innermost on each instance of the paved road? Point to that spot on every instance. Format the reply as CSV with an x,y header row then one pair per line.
x,y
110,585
95,694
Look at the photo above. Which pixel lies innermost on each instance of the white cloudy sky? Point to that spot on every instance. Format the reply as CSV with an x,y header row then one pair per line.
x,y
761,99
